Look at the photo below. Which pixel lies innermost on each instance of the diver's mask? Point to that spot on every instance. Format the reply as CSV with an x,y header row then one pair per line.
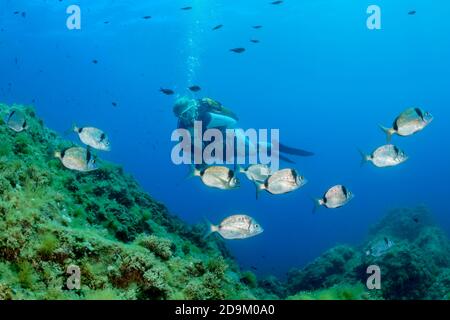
x,y
186,110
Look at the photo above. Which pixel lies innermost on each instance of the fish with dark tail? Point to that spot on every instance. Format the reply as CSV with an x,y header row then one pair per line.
x,y
238,50
167,92
194,88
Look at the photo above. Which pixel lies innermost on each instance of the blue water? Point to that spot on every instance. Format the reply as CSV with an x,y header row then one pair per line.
x,y
319,75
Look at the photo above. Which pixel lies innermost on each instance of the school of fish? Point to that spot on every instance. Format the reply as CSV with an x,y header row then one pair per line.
x,y
283,181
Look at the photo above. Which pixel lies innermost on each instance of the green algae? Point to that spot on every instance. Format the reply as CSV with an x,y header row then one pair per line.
x,y
126,244
336,292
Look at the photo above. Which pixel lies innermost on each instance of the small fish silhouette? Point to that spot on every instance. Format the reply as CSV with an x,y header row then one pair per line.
x,y
167,92
195,88
238,50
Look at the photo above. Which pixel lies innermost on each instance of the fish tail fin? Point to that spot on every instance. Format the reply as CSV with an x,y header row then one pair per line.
x,y
259,187
388,131
57,154
317,204
72,129
239,169
364,157
210,228
193,172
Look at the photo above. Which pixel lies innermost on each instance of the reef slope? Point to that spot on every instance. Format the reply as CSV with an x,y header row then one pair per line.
x,y
126,244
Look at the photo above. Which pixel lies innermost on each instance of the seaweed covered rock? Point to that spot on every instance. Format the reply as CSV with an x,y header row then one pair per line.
x,y
273,286
337,292
412,252
419,256
403,223
125,244
334,266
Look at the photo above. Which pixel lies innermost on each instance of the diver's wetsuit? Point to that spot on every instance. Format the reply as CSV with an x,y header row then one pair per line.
x,y
213,115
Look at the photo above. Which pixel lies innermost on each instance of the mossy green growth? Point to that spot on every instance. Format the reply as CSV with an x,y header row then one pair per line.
x,y
125,244
25,274
49,243
249,279
337,292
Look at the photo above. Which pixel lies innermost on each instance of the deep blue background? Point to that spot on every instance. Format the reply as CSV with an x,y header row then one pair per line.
x,y
319,75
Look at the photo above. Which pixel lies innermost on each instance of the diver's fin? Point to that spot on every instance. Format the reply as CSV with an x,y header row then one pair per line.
x,y
295,151
388,131
364,157
286,159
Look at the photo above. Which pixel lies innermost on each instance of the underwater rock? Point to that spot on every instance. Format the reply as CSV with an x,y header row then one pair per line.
x,y
334,266
272,285
416,267
403,223
125,244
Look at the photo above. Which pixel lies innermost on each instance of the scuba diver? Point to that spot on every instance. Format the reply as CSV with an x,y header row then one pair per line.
x,y
214,115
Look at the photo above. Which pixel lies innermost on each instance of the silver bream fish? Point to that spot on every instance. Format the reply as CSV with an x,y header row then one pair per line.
x,y
16,121
380,248
335,197
78,159
385,156
94,138
283,181
258,173
237,227
218,177
408,123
